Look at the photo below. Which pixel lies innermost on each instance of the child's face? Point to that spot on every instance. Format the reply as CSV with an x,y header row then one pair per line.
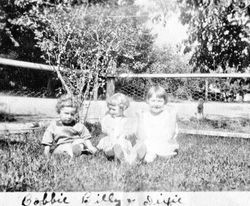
x,y
67,114
115,110
156,104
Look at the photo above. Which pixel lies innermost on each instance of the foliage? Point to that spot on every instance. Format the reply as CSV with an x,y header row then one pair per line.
x,y
88,43
17,41
169,60
219,33
25,24
203,164
17,38
5,117
158,10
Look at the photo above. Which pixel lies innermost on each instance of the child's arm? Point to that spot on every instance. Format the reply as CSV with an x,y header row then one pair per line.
x,y
176,132
105,124
85,134
139,127
47,140
173,124
90,147
47,151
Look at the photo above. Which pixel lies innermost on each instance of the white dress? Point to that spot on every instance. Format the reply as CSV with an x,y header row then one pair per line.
x,y
158,132
116,130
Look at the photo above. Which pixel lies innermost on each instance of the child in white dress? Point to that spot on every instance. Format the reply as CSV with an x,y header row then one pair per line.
x,y
157,127
115,126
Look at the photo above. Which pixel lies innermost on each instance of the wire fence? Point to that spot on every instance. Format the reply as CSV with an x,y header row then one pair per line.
x,y
29,92
212,89
18,78
201,94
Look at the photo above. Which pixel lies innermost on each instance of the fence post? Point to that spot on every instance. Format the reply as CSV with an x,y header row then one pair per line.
x,y
206,89
110,86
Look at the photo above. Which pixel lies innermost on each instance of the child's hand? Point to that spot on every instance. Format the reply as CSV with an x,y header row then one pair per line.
x,y
90,147
93,150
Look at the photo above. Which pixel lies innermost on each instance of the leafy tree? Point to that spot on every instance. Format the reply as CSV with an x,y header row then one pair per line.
x,y
25,24
86,43
17,38
218,33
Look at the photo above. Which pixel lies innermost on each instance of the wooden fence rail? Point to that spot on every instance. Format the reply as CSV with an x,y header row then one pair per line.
x,y
23,64
31,65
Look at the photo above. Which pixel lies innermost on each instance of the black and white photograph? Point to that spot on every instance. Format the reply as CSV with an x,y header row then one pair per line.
x,y
125,102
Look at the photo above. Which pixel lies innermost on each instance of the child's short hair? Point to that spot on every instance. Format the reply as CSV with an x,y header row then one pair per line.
x,y
158,91
66,100
119,99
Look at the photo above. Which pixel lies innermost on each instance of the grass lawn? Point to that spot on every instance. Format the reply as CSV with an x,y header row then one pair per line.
x,y
203,164
224,124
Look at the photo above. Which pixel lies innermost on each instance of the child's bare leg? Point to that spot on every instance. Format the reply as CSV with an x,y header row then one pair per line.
x,y
124,151
140,151
77,149
130,154
109,153
104,144
64,148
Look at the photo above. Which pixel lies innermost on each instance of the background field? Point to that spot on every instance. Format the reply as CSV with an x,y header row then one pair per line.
x,y
203,164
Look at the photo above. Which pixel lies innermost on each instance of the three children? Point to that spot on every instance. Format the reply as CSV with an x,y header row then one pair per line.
x,y
156,130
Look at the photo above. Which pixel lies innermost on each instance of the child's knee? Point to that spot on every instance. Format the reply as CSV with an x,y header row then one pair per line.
x,y
77,149
64,148
109,153
118,151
